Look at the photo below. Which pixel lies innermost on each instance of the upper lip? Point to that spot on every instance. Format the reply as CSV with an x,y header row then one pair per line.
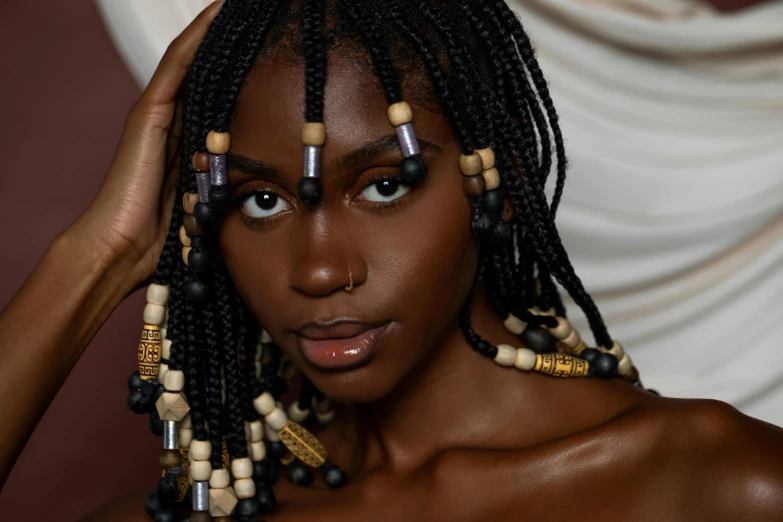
x,y
335,329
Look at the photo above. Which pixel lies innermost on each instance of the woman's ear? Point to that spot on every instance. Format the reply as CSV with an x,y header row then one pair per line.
x,y
509,211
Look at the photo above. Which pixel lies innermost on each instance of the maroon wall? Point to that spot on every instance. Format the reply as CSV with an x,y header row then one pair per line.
x,y
63,99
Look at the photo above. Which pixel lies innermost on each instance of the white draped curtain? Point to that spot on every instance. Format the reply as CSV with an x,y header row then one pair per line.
x,y
673,212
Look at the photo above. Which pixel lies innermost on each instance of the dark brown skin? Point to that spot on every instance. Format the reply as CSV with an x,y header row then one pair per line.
x,y
430,429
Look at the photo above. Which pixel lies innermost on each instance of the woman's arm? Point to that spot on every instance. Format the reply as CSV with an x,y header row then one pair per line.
x,y
92,266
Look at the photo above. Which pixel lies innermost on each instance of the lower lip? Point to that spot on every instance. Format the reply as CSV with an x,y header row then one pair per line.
x,y
342,354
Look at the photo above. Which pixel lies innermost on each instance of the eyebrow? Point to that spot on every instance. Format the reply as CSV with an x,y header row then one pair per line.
x,y
364,154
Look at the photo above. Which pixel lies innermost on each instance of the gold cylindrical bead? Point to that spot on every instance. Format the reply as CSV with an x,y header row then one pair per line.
x,y
561,365
149,352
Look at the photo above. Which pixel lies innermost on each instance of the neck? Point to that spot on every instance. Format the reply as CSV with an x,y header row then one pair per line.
x,y
455,398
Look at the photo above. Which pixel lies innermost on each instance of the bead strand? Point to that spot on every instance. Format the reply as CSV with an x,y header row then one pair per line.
x,y
412,168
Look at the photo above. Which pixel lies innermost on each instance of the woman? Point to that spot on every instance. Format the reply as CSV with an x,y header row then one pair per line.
x,y
387,275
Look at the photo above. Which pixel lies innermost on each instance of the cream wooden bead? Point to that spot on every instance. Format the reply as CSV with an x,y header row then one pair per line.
x,y
189,200
200,470
625,366
164,333
165,350
162,369
222,502
265,337
573,339
174,380
487,158
314,134
400,114
245,488
242,468
324,405
201,450
296,414
185,254
183,237
218,142
534,310
158,294
219,479
506,356
154,314
515,325
325,418
264,403
185,437
172,406
563,328
277,419
470,164
551,312
616,350
270,434
257,451
254,431
526,359
186,422
491,178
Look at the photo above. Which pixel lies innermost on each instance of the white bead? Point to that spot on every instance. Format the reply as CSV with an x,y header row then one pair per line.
x,y
296,414
257,451
201,450
325,418
276,419
534,310
617,350
515,325
200,470
562,330
174,380
264,403
242,468
219,479
625,366
162,369
526,359
166,349
187,422
154,314
573,340
506,356
245,488
164,332
254,431
185,437
324,406
158,294
265,337
270,434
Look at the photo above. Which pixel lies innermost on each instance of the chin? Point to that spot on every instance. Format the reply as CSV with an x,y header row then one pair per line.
x,y
362,385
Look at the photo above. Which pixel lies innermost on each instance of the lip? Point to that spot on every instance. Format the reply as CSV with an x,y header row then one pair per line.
x,y
340,345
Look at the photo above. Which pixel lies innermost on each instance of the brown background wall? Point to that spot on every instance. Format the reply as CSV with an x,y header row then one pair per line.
x,y
63,99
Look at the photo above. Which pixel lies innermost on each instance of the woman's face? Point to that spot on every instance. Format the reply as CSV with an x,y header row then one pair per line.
x,y
410,250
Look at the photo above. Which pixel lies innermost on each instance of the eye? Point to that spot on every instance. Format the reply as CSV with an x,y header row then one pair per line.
x,y
263,204
385,190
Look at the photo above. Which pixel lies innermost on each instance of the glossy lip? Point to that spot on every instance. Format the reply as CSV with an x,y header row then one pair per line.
x,y
339,344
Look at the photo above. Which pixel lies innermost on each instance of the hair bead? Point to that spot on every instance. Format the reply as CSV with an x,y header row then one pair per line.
x,y
506,355
408,142
189,200
204,184
487,158
219,479
218,170
158,294
470,164
492,178
200,493
200,162
200,450
222,502
172,406
149,352
400,114
154,314
218,143
170,441
561,365
314,134
525,359
514,324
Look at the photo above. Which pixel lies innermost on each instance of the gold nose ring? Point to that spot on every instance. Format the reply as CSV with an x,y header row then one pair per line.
x,y
349,286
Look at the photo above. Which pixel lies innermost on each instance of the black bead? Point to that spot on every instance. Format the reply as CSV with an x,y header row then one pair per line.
x,y
164,515
198,260
266,498
485,223
299,474
310,190
167,488
334,476
605,365
501,232
276,450
196,292
265,472
135,381
590,355
247,509
538,339
152,505
139,402
203,213
493,201
199,242
220,195
155,424
413,169
158,391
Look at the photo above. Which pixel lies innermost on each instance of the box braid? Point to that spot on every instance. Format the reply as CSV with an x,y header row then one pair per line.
x,y
483,73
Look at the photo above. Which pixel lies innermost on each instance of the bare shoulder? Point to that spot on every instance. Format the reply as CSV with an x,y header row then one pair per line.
x,y
129,508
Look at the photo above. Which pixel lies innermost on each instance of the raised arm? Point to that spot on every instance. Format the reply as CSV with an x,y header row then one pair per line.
x,y
94,264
